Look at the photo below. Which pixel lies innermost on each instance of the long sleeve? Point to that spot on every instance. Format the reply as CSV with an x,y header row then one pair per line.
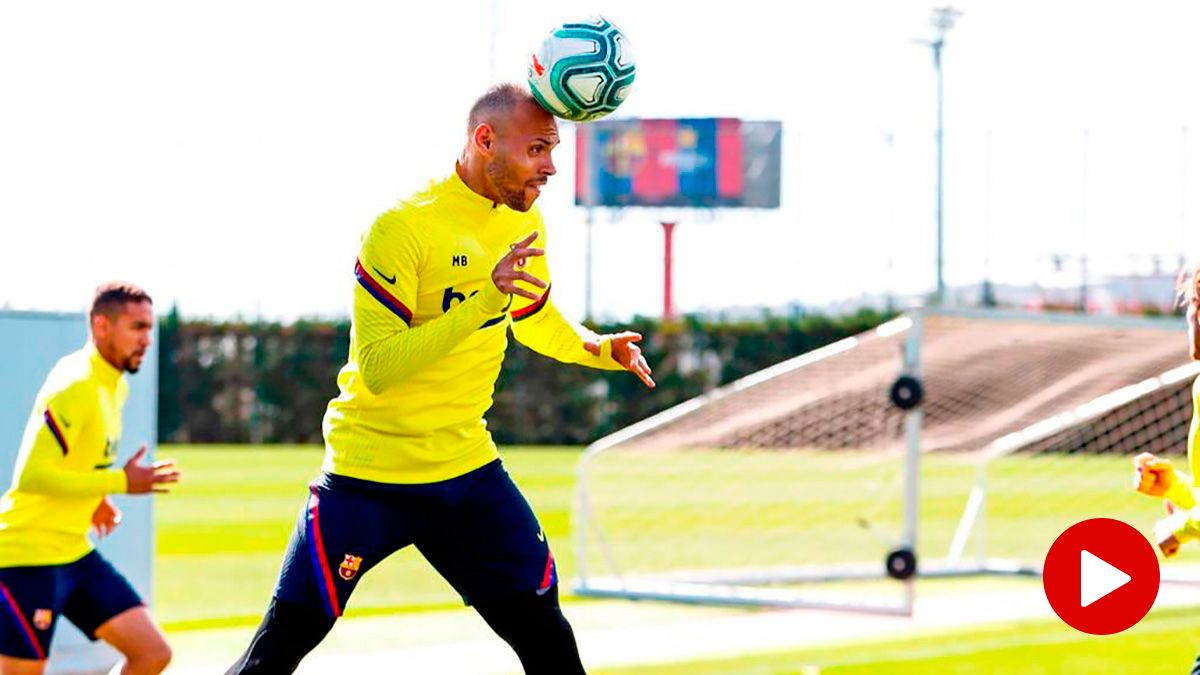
x,y
547,332
387,348
44,470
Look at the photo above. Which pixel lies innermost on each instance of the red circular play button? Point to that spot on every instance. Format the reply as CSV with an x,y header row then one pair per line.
x,y
1101,576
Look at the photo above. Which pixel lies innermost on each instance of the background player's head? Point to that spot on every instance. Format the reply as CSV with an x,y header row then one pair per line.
x,y
1189,294
509,140
121,318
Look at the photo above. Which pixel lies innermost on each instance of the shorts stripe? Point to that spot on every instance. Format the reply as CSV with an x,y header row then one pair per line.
x,y
550,575
26,628
316,547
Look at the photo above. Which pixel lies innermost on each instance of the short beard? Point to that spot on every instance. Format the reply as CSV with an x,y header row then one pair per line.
x,y
129,367
498,172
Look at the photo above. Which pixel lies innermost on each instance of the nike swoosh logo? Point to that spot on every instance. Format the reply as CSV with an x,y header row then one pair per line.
x,y
391,280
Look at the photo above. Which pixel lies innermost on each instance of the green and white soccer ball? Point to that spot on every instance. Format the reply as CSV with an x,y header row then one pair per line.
x,y
583,71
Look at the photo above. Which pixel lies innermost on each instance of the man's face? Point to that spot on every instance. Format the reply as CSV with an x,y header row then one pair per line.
x,y
124,337
521,163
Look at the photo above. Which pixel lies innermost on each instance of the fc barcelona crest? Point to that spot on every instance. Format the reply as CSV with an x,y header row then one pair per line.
x,y
42,618
349,567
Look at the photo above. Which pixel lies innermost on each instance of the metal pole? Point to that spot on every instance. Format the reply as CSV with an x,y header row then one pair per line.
x,y
1083,218
587,286
492,41
943,20
937,64
1183,191
912,431
668,246
988,298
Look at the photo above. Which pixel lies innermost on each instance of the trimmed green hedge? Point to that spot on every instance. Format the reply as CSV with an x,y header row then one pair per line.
x,y
235,382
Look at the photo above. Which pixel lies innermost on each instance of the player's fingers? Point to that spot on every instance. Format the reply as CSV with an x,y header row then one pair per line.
x,y
169,477
626,337
649,381
137,456
1144,458
529,239
592,347
159,490
527,277
521,253
164,464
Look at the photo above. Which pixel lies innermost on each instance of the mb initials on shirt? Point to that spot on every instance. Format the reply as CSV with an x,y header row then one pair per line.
x,y
459,260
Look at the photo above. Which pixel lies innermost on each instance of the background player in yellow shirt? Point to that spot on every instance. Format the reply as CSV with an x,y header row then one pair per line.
x,y
60,489
439,280
1157,477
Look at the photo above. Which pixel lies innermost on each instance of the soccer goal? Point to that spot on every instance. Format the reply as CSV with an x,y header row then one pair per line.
x,y
818,483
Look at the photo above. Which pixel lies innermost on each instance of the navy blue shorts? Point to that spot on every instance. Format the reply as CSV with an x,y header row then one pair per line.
x,y
476,530
88,592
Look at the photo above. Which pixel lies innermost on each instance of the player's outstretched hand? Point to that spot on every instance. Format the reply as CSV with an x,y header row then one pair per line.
x,y
508,271
626,352
142,479
1152,475
105,518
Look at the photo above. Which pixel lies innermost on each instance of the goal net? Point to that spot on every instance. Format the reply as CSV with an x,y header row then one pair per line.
x,y
800,485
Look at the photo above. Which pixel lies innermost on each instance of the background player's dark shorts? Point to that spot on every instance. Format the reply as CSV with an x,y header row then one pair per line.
x,y
88,592
477,530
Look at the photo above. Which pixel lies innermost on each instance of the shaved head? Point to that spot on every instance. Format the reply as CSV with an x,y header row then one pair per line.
x,y
497,105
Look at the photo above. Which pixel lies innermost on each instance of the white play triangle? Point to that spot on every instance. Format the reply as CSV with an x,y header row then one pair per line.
x,y
1097,578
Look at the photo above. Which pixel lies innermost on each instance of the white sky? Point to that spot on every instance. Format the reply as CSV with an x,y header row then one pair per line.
x,y
226,155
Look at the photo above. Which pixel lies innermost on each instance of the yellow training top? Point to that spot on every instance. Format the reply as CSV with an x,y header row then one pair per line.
x,y
64,466
428,337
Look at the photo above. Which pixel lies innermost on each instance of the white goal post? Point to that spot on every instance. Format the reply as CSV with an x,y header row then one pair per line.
x,y
805,485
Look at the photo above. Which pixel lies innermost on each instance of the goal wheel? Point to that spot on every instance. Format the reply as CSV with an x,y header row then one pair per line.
x,y
906,392
901,564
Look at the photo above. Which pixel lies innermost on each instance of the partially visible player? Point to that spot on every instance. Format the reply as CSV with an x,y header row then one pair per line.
x,y
60,488
1156,476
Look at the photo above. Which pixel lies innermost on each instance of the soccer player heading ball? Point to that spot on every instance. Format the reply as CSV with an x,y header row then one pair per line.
x,y
439,281
1157,477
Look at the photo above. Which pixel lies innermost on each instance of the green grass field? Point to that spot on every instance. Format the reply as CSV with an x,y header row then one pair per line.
x,y
1164,643
229,521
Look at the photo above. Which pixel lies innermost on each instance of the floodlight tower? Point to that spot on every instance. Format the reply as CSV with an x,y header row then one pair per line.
x,y
942,19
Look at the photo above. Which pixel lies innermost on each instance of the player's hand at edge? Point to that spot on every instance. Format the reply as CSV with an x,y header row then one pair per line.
x,y
626,352
1152,475
143,479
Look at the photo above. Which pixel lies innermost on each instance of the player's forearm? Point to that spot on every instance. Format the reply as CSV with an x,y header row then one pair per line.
x,y
1181,493
43,477
550,334
389,360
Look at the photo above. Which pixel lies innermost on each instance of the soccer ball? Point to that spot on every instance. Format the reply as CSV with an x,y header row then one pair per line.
x,y
582,71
